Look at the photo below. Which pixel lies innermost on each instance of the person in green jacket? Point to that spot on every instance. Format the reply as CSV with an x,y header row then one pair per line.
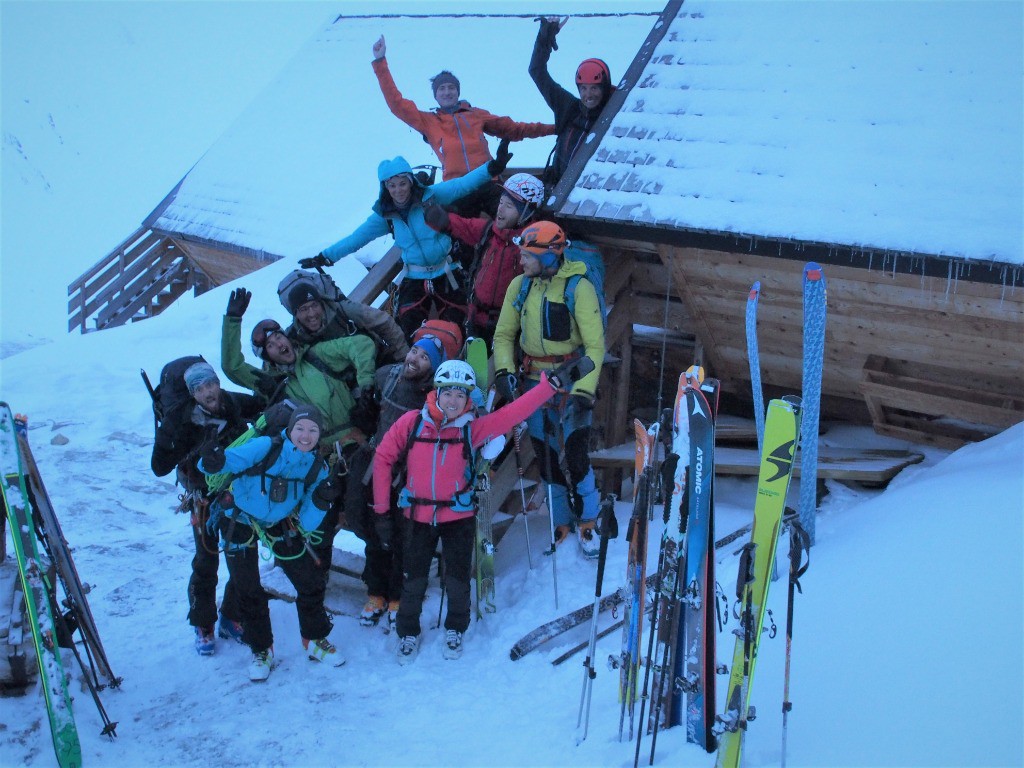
x,y
314,374
549,332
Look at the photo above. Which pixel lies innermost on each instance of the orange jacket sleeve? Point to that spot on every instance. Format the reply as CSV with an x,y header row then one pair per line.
x,y
507,128
401,107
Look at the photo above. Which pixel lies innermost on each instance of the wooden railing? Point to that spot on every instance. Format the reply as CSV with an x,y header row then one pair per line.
x,y
138,279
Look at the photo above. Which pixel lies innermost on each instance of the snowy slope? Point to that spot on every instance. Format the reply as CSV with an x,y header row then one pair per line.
x,y
869,686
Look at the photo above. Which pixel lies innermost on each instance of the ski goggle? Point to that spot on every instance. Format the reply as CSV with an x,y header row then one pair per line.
x,y
264,330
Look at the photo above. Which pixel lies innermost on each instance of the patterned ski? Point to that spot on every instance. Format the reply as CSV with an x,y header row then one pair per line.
x,y
815,304
636,570
754,360
782,429
695,653
37,600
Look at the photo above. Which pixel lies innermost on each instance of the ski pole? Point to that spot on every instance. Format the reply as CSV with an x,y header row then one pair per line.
x,y
549,431
516,437
589,672
799,545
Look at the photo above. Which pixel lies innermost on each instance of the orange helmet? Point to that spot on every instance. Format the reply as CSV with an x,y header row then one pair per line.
x,y
542,237
593,71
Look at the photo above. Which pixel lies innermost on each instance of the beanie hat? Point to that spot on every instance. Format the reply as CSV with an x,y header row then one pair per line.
x,y
433,349
305,411
300,294
198,374
443,77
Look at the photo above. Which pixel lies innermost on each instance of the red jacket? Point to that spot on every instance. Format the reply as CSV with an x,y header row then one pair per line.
x,y
458,138
499,263
436,470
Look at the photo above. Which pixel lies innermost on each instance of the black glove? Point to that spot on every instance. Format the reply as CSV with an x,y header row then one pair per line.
x,y
506,384
548,32
582,403
315,261
213,458
238,302
366,412
501,158
564,375
384,527
326,492
436,217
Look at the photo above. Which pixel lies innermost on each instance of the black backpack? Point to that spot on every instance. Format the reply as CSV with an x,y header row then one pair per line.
x,y
172,402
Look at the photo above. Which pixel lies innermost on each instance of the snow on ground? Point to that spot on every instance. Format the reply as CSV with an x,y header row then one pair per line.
x,y
907,641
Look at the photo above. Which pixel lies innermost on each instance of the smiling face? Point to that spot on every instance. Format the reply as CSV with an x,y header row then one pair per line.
x,y
208,396
311,315
447,95
590,94
305,435
417,364
400,189
279,349
452,401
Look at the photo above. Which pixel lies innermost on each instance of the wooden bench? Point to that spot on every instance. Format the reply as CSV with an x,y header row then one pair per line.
x,y
871,467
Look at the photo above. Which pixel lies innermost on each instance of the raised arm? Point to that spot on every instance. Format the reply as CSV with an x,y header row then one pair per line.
x,y
560,100
375,226
401,107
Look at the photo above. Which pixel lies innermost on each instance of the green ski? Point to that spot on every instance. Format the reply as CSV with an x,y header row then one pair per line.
x,y
782,430
37,600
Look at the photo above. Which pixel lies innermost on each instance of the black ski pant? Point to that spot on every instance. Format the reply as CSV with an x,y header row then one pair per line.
x,y
457,540
382,572
244,566
202,584
324,550
416,298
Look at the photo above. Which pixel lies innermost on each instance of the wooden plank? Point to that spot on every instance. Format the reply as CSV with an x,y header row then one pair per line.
x,y
868,466
129,310
134,280
705,333
379,277
79,282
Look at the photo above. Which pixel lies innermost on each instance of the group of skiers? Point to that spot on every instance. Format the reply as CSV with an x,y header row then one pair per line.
x,y
372,422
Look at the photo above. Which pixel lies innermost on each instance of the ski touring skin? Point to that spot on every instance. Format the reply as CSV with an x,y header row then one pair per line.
x,y
815,303
37,600
782,430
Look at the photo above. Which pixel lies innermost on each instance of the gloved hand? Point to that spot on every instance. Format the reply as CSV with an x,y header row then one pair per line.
x,y
315,261
582,402
366,412
238,302
501,158
384,526
506,384
564,375
326,492
213,458
549,27
436,217
380,50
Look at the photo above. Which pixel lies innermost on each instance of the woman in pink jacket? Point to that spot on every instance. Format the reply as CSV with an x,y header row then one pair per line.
x,y
438,448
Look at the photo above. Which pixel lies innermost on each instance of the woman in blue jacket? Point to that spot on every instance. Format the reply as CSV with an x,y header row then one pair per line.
x,y
282,503
429,277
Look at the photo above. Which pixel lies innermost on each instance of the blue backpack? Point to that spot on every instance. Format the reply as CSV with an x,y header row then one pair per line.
x,y
590,256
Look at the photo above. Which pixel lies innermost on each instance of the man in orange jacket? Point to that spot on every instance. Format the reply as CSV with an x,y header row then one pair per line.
x,y
455,130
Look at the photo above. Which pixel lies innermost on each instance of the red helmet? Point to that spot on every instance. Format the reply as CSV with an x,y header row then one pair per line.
x,y
542,237
593,71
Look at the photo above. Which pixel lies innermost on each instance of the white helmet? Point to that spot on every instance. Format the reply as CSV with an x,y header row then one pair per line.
x,y
455,373
525,188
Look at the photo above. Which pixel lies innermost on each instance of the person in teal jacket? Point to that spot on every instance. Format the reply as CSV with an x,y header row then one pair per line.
x,y
285,505
430,278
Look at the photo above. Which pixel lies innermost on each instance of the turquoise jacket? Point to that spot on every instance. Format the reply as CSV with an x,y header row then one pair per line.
x,y
424,250
292,465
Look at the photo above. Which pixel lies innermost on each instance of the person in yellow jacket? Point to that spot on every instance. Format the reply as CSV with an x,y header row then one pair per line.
x,y
550,330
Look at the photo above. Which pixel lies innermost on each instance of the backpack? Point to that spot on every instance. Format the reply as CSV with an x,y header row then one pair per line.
x,y
448,332
272,422
321,282
172,402
578,250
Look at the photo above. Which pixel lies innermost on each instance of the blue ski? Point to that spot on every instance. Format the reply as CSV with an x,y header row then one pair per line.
x,y
815,303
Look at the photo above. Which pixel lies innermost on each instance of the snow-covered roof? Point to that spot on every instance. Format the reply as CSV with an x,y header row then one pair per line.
x,y
298,169
883,125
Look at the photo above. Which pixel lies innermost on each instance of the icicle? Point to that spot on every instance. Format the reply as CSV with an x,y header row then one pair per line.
x,y
949,277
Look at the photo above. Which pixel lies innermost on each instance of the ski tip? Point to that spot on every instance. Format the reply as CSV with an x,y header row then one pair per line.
x,y
755,289
694,375
813,271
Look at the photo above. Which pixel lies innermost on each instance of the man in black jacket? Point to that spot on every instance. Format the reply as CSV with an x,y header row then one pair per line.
x,y
575,116
220,417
